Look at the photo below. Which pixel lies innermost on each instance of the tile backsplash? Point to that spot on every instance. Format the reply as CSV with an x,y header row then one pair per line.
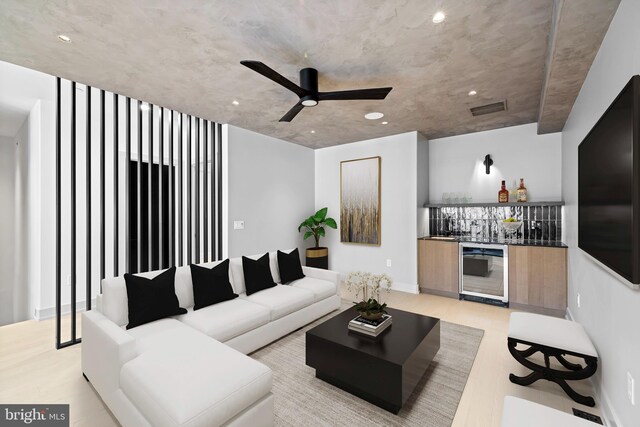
x,y
540,222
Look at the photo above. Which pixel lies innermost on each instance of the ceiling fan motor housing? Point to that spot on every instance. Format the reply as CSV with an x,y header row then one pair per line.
x,y
309,82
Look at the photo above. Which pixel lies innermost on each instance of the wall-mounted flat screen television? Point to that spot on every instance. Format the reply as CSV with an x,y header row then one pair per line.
x,y
609,186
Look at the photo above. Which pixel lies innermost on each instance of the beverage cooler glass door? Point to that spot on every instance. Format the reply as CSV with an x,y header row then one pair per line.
x,y
484,272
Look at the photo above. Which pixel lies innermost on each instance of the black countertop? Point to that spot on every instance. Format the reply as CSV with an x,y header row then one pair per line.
x,y
497,241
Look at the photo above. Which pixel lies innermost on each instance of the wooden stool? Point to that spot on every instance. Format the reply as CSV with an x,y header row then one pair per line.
x,y
556,338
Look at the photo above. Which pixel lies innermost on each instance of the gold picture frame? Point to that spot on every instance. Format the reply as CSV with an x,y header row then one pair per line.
x,y
360,201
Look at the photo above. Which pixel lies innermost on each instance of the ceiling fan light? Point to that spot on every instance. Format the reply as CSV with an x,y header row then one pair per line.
x,y
309,102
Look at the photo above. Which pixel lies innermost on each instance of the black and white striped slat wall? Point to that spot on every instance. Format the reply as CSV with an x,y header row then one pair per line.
x,y
130,148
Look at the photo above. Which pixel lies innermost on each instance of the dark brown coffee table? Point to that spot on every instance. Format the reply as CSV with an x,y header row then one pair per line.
x,y
383,370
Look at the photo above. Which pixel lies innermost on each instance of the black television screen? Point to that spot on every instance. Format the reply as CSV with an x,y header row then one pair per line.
x,y
608,186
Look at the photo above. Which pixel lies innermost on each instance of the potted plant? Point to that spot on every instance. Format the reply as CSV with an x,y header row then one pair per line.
x,y
370,287
314,225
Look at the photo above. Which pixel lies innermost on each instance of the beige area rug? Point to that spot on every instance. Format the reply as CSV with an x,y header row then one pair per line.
x,y
303,400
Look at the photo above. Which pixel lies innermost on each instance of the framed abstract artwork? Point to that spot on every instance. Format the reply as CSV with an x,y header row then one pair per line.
x,y
360,201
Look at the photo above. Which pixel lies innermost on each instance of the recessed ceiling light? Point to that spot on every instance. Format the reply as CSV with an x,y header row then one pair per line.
x,y
144,107
313,131
438,17
234,102
373,116
385,123
472,93
64,38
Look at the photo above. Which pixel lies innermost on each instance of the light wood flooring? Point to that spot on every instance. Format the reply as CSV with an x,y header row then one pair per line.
x,y
32,371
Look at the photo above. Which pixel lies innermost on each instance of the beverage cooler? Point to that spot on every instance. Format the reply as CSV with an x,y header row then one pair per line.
x,y
484,273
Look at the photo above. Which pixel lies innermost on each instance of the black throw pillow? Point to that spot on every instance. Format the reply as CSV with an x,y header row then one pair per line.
x,y
257,274
289,266
152,299
211,285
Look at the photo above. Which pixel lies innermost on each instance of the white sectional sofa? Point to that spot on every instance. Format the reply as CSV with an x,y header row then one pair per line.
x,y
192,369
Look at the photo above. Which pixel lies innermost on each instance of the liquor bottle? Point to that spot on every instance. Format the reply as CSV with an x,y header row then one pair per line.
x,y
522,192
503,194
513,192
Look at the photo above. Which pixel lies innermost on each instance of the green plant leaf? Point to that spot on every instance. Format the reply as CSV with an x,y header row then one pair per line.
x,y
330,222
320,231
307,235
320,215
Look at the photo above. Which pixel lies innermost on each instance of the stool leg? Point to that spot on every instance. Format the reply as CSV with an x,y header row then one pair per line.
x,y
528,380
564,362
583,400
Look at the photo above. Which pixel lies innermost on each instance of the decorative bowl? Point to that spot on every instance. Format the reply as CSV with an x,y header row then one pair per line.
x,y
511,228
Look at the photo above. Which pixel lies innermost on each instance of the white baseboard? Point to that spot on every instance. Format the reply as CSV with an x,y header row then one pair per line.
x,y
50,312
405,287
609,416
569,316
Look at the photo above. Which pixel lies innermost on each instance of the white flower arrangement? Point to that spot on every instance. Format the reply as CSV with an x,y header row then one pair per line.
x,y
368,285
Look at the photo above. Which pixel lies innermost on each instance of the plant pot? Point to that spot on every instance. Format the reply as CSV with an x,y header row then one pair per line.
x,y
372,316
318,258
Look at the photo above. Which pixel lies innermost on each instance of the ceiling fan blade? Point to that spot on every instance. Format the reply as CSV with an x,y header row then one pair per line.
x,y
269,73
292,112
343,95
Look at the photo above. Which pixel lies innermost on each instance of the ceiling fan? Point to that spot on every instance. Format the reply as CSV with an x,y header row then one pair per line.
x,y
308,89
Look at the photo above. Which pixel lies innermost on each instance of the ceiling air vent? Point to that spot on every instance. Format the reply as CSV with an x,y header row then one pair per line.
x,y
489,108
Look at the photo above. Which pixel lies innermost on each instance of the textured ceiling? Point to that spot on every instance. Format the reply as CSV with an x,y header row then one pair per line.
x,y
186,55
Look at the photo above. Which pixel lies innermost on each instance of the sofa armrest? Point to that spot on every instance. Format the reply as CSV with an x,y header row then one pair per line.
x,y
319,273
105,349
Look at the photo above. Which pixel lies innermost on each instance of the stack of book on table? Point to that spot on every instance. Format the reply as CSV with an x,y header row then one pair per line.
x,y
372,328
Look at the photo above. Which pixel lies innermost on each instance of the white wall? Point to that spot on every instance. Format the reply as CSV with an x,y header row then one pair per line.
x,y
269,185
7,226
455,163
398,204
610,311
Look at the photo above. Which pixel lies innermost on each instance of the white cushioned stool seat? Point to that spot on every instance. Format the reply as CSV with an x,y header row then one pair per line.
x,y
551,332
321,288
227,319
193,380
281,299
522,413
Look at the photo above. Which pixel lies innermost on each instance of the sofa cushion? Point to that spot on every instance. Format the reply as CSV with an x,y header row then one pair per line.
x,y
289,266
193,380
152,336
151,299
281,299
114,301
227,319
211,285
257,274
321,288
237,275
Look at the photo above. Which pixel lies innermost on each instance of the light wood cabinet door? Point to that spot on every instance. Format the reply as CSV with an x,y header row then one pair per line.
x,y
538,276
438,266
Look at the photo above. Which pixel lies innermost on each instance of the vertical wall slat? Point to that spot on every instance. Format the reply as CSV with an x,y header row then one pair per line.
x,y
73,210
58,211
116,207
197,190
219,186
127,187
139,193
214,252
205,204
172,202
189,213
160,189
88,199
150,192
102,186
180,193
